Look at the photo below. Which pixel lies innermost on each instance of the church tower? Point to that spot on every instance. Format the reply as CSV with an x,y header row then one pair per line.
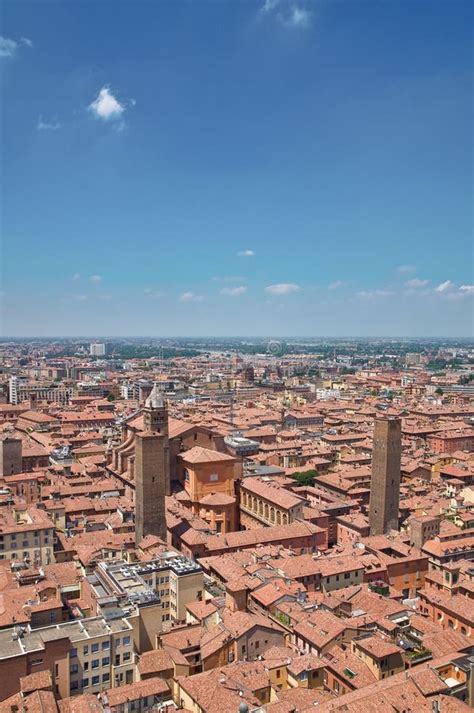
x,y
152,469
155,413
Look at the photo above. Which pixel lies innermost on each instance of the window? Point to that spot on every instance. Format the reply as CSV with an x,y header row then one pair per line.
x,y
94,648
95,680
213,477
117,660
95,663
85,650
127,655
36,662
85,682
347,575
106,677
74,685
126,640
105,645
74,668
72,653
106,661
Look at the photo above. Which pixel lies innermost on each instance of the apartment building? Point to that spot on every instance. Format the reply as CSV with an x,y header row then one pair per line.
x,y
152,595
26,535
84,656
102,654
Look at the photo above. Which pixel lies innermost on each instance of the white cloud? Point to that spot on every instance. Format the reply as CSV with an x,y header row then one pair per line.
x,y
8,47
47,125
76,276
191,297
283,288
81,298
467,289
269,6
288,13
246,253
152,292
404,269
234,291
416,282
298,17
368,294
105,106
335,285
95,278
444,286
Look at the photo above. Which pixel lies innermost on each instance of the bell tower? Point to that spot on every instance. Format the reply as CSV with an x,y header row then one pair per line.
x,y
152,469
155,413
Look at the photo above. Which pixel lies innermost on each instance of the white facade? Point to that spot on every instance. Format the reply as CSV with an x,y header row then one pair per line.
x,y
97,349
14,388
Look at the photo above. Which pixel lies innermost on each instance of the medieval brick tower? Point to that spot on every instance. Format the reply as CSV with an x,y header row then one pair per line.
x,y
152,469
385,481
10,456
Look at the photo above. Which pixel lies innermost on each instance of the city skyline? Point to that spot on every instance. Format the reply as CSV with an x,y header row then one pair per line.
x,y
273,167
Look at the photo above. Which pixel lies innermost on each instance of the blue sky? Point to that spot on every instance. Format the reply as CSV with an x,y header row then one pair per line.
x,y
278,167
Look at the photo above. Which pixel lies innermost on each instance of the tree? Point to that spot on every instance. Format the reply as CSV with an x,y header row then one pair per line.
x,y
305,478
110,397
439,391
